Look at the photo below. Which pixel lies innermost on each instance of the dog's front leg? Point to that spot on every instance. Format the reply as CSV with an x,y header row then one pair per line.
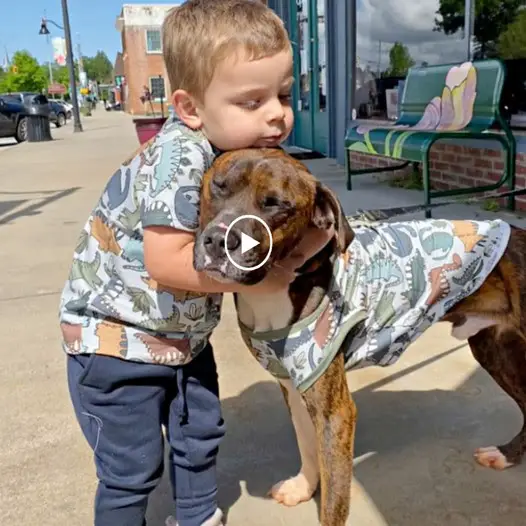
x,y
301,487
333,412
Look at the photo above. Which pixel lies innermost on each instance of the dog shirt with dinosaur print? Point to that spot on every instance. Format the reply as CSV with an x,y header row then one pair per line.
x,y
110,305
394,281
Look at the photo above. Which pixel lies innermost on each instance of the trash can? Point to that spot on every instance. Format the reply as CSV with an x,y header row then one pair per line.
x,y
38,128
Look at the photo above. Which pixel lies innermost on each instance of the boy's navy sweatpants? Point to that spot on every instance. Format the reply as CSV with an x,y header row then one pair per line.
x,y
121,406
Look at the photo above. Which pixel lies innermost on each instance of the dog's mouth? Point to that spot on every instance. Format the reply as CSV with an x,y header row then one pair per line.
x,y
232,255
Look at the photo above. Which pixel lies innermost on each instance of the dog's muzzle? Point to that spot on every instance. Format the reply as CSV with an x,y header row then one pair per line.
x,y
217,246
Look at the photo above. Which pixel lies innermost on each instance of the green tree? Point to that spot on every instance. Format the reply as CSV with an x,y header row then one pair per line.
x,y
98,68
61,74
400,61
492,17
512,43
27,75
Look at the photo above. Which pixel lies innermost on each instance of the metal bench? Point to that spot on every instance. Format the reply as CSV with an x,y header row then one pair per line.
x,y
453,101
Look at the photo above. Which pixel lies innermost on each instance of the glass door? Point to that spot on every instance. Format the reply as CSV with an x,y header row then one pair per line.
x,y
308,33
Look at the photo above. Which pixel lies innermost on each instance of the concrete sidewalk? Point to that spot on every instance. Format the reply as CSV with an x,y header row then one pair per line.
x,y
419,420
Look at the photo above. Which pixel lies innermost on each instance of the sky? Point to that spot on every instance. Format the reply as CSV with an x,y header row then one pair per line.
x,y
92,23
408,22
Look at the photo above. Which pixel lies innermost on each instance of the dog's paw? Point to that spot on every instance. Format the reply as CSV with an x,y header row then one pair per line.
x,y
492,457
292,491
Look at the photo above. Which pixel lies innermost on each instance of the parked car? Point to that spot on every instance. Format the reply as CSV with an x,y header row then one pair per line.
x,y
13,122
57,114
67,107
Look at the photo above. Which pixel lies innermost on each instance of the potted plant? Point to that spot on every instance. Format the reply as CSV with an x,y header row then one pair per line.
x,y
147,126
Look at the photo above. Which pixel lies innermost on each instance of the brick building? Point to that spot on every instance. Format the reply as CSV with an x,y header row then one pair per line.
x,y
140,29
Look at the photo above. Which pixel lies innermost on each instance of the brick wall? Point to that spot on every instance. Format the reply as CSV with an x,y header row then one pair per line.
x,y
457,166
139,66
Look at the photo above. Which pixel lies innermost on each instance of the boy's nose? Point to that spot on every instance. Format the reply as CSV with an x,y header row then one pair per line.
x,y
276,111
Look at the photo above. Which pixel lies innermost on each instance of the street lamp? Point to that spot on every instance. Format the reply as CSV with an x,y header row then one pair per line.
x,y
69,59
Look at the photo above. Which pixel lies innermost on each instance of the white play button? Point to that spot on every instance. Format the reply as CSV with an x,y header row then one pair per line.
x,y
247,243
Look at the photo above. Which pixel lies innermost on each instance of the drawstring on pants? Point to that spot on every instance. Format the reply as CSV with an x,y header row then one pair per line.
x,y
182,406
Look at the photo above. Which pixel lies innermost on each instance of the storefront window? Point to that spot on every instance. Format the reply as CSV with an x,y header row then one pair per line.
x,y
393,35
500,31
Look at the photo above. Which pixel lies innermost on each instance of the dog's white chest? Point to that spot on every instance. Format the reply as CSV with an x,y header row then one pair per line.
x,y
265,312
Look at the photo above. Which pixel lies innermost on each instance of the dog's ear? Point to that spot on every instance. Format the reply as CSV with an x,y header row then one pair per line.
x,y
327,212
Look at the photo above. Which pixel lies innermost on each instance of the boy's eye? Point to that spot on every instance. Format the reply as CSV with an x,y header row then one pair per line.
x,y
250,104
285,97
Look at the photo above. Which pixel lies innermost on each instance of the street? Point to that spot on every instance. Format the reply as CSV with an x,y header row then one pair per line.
x,y
419,420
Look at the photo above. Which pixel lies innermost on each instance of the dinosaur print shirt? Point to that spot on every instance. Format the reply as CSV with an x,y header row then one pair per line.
x,y
109,304
394,281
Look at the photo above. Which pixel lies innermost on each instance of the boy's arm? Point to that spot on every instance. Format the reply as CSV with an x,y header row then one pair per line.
x,y
168,257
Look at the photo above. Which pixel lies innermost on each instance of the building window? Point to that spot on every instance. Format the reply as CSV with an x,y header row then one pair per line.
x,y
153,41
157,88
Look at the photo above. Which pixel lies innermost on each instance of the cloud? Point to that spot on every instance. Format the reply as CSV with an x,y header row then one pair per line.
x,y
408,22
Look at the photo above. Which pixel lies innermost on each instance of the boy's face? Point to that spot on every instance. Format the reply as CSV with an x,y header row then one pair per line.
x,y
248,103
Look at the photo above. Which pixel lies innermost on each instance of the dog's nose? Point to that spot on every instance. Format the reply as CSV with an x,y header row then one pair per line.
x,y
215,242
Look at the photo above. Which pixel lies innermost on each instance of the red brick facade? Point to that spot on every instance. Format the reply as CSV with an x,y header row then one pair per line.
x,y
139,66
457,166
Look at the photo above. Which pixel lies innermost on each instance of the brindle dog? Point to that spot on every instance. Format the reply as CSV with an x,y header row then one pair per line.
x,y
274,186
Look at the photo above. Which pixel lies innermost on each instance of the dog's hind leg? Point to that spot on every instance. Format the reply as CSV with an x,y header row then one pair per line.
x,y
502,353
301,487
333,412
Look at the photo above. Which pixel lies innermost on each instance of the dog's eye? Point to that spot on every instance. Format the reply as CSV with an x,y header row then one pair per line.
x,y
219,186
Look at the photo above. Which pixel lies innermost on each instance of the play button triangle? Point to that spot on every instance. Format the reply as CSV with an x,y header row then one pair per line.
x,y
247,243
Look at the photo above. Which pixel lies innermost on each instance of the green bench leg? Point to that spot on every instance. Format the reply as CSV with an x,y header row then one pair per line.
x,y
510,168
348,168
427,184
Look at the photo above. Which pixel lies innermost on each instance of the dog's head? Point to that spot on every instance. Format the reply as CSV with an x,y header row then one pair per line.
x,y
276,188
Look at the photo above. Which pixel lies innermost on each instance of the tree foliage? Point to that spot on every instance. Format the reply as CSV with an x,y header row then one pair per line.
x,y
98,68
25,74
492,18
512,43
400,60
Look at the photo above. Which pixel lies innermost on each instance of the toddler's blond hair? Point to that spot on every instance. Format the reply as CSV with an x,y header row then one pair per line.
x,y
199,34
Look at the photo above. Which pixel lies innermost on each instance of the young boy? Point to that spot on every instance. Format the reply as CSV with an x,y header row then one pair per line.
x,y
136,317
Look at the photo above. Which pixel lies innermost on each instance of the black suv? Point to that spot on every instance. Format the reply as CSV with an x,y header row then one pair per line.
x,y
13,122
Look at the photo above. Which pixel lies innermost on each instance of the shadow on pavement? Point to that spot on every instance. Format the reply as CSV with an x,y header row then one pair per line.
x,y
418,447
34,208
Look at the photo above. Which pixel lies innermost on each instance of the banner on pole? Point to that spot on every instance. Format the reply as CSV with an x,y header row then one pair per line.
x,y
59,50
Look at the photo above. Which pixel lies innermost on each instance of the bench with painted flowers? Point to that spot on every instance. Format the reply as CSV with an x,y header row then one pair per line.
x,y
440,102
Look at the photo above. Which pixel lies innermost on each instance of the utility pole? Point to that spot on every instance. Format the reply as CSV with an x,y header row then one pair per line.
x,y
71,67
80,62
49,61
469,22
379,58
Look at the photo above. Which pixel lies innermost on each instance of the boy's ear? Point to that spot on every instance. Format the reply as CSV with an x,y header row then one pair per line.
x,y
185,107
